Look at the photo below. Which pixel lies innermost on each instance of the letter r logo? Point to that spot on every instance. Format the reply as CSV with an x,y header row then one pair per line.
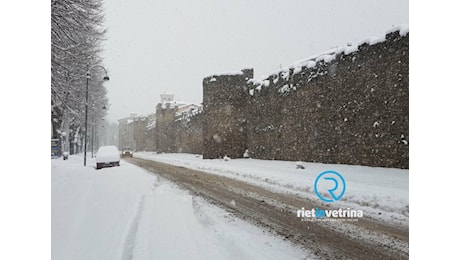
x,y
335,184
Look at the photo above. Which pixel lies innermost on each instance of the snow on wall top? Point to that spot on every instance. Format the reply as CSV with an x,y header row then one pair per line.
x,y
228,73
325,57
151,123
245,73
184,110
186,115
173,104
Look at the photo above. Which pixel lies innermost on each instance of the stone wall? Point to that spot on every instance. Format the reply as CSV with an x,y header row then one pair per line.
x,y
139,130
150,140
133,133
348,106
189,133
173,134
165,132
224,105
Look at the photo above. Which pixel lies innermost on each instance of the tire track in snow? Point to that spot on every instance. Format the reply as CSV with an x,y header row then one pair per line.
x,y
130,241
252,204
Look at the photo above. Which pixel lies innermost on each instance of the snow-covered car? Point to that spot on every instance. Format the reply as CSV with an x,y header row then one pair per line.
x,y
107,156
127,152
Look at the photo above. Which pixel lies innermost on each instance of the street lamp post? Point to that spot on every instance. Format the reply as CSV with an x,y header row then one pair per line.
x,y
92,137
88,76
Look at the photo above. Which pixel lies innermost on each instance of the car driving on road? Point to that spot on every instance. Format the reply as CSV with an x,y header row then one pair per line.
x,y
127,152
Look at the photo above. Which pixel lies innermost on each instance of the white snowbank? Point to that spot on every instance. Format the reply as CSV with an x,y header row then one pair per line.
x,y
383,193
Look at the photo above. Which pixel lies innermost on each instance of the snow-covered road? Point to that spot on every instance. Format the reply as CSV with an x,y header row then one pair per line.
x,y
364,238
127,213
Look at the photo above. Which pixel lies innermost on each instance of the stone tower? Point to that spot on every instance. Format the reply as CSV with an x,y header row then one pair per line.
x,y
224,107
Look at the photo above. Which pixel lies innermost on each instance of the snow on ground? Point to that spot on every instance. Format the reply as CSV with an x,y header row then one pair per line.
x,y
127,213
382,193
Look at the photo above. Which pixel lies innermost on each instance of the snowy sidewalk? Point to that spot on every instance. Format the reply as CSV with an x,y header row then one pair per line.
x,y
127,213
383,193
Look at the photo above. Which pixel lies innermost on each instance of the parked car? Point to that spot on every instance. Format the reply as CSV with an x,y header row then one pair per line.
x,y
127,152
107,156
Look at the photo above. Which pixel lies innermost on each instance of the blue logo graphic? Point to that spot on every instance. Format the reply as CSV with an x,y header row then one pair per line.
x,y
331,176
320,213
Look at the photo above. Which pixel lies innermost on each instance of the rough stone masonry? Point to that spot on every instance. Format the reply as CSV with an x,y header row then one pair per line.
x,y
346,106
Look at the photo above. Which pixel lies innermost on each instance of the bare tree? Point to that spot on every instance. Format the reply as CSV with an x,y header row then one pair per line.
x,y
76,36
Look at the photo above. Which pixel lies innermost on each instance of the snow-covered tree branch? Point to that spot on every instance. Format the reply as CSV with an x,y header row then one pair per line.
x,y
76,35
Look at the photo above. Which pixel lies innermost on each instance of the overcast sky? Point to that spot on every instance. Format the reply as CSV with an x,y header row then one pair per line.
x,y
170,46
